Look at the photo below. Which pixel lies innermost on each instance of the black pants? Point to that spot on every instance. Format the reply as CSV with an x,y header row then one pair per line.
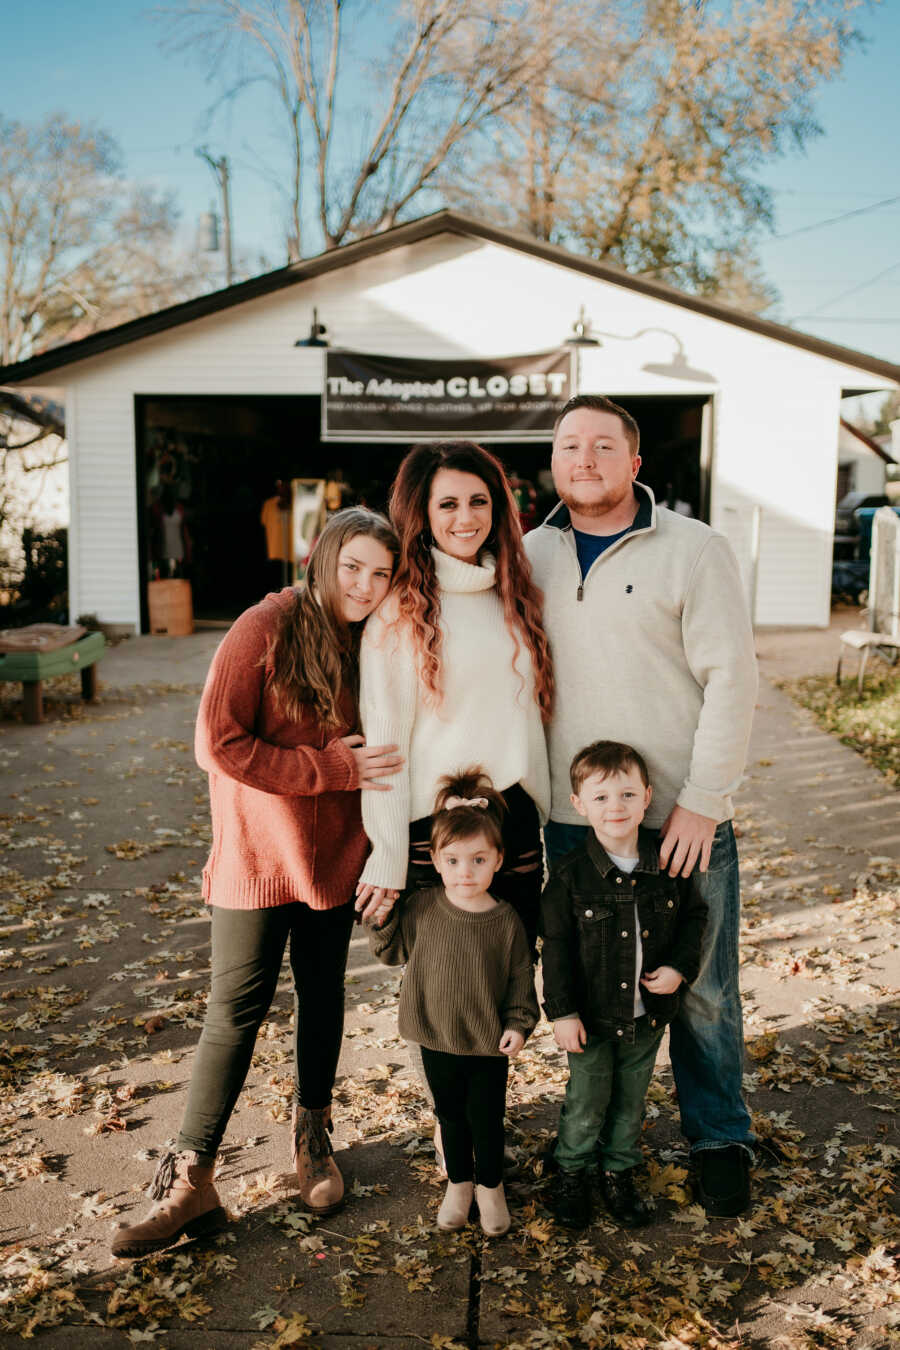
x,y
247,949
520,878
470,1101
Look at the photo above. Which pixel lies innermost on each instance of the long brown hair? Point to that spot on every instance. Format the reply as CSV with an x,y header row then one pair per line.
x,y
416,585
314,653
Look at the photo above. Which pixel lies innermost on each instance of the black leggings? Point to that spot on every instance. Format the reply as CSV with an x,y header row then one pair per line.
x,y
520,878
470,1101
247,950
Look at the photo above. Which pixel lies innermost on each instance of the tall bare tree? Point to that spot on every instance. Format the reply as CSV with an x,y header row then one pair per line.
x,y
374,111
635,130
80,247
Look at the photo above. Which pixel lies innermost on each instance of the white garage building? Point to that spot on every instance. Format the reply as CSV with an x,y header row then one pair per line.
x,y
215,400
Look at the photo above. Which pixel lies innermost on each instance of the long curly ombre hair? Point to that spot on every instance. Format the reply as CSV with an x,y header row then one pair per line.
x,y
315,652
416,586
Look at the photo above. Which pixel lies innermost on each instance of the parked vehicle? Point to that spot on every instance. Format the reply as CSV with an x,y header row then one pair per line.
x,y
845,519
850,575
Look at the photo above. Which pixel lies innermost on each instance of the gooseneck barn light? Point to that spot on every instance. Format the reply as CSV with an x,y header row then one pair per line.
x,y
317,333
676,368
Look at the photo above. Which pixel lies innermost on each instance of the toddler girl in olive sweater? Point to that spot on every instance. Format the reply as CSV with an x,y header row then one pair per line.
x,y
468,994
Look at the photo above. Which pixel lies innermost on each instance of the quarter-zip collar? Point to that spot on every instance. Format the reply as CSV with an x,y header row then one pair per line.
x,y
643,523
560,519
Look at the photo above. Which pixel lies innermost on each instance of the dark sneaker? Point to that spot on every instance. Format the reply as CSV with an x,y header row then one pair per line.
x,y
571,1199
623,1200
547,1157
721,1179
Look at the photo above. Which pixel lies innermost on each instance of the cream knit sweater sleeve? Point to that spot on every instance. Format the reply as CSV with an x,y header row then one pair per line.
x,y
387,701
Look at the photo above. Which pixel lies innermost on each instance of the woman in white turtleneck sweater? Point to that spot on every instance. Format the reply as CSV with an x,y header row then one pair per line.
x,y
455,671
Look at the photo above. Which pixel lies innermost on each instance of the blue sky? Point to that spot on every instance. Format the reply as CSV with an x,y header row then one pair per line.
x,y
101,62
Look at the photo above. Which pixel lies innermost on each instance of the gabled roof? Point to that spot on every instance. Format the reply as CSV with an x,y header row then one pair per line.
x,y
441,222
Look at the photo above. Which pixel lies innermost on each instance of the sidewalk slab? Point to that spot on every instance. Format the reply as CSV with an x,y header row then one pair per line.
x,y
104,968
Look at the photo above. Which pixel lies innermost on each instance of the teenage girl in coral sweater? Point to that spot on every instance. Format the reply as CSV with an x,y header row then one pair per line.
x,y
276,732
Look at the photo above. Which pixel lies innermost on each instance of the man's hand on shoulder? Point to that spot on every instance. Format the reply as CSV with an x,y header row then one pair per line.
x,y
685,842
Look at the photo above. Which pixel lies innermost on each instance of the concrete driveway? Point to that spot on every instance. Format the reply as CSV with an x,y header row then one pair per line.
x,y
103,950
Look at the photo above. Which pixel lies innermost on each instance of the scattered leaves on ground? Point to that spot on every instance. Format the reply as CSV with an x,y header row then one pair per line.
x,y
870,725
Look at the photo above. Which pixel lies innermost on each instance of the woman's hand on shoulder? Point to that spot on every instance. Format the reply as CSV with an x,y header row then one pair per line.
x,y
374,903
373,762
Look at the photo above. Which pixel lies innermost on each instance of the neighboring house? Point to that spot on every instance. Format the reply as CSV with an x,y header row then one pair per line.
x,y
213,401
863,461
34,474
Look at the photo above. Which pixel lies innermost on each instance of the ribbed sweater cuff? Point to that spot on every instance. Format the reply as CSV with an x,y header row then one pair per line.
x,y
342,775
714,805
381,870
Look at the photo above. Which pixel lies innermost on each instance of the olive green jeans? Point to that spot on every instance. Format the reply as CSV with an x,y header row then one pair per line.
x,y
247,950
604,1107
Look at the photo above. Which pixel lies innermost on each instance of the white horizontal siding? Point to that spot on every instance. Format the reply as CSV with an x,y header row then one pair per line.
x,y
793,585
105,580
776,406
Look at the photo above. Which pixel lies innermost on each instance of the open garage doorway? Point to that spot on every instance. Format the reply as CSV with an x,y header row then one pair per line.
x,y
675,441
208,464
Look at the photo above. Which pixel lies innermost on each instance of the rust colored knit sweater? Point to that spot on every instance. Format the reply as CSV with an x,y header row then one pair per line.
x,y
284,794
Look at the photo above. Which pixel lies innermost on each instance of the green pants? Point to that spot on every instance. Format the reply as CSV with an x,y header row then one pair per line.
x,y
604,1102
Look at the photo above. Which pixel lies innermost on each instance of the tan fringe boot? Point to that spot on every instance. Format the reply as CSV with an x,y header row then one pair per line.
x,y
186,1202
321,1184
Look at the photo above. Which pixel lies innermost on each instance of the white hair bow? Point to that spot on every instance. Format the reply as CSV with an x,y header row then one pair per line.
x,y
452,802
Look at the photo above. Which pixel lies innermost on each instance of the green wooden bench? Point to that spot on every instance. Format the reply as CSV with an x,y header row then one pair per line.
x,y
32,668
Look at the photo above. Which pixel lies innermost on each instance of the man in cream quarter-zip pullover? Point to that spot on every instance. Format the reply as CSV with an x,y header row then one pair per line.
x,y
652,645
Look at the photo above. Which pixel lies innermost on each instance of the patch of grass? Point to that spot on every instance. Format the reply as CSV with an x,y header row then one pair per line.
x,y
870,725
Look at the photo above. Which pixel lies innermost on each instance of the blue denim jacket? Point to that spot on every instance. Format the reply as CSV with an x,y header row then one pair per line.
x,y
588,929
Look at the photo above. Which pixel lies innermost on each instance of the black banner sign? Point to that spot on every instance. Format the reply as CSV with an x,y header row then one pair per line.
x,y
396,398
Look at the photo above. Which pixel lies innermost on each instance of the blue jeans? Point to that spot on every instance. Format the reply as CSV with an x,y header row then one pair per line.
x,y
706,1040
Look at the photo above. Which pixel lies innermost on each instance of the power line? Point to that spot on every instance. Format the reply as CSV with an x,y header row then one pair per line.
x,y
853,290
821,281
803,192
833,220
842,318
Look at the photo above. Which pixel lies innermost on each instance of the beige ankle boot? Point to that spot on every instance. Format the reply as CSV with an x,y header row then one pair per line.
x,y
455,1206
186,1202
321,1184
492,1210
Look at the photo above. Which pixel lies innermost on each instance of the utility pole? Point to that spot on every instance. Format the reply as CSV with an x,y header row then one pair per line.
x,y
220,170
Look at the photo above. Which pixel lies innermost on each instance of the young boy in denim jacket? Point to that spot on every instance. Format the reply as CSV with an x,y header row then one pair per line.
x,y
620,938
